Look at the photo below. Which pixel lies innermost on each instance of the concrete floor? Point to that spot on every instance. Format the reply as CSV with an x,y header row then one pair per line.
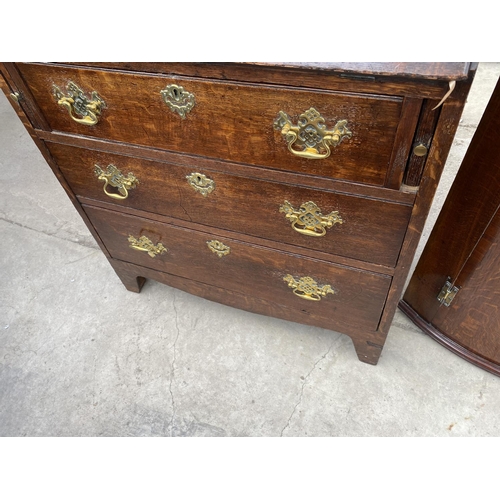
x,y
81,356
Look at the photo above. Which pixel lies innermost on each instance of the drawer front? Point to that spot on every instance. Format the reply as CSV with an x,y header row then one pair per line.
x,y
357,299
351,226
230,121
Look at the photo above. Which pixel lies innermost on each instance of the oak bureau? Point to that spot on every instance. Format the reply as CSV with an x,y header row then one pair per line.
x,y
295,190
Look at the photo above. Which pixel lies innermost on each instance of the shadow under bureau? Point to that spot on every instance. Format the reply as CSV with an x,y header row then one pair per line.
x,y
294,190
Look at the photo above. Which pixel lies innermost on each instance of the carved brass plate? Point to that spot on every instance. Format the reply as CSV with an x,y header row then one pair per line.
x,y
178,100
82,109
113,177
307,288
218,248
201,183
310,134
144,244
308,219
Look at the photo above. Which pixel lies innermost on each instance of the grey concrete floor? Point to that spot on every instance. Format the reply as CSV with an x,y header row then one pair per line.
x,y
81,356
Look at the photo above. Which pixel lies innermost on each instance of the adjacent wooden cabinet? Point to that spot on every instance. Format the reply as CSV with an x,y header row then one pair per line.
x,y
454,293
294,190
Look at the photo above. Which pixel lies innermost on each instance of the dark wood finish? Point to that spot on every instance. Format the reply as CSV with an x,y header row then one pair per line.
x,y
406,130
245,238
449,343
473,319
384,217
425,70
249,171
465,246
229,121
256,271
128,273
469,208
443,138
407,82
372,230
26,102
431,71
425,132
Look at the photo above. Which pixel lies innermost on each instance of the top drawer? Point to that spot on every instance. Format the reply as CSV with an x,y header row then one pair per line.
x,y
328,134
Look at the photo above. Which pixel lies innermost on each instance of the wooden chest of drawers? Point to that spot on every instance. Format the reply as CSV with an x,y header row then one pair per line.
x,y
293,190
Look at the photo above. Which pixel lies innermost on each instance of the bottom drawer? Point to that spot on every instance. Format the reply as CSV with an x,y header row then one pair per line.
x,y
345,296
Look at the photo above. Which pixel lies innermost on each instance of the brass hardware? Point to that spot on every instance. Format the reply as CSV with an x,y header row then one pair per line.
x,y
115,178
15,96
447,293
311,134
88,109
201,183
144,244
420,150
177,99
219,248
307,288
308,219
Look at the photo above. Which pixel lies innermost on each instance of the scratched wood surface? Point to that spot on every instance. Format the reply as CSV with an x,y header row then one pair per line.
x,y
424,80
359,296
383,219
471,203
473,319
465,246
371,230
232,122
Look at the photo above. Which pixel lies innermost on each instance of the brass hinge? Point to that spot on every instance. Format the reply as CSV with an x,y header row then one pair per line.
x,y
447,293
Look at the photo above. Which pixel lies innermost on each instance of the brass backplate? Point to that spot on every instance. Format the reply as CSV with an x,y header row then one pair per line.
x,y
218,248
307,288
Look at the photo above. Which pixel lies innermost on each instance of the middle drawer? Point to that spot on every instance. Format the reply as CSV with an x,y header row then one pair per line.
x,y
365,229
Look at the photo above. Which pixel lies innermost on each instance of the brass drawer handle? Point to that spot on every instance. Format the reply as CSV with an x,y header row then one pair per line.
x,y
308,219
87,109
113,177
178,100
311,134
144,244
218,248
201,183
307,288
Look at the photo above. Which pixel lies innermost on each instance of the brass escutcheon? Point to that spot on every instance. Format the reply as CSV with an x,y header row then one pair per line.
x,y
87,109
308,219
113,177
218,248
178,100
144,244
311,135
307,288
201,183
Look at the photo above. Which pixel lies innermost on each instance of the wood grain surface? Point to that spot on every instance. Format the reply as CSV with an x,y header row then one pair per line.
x,y
468,210
249,269
229,137
232,122
371,231
465,246
347,77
